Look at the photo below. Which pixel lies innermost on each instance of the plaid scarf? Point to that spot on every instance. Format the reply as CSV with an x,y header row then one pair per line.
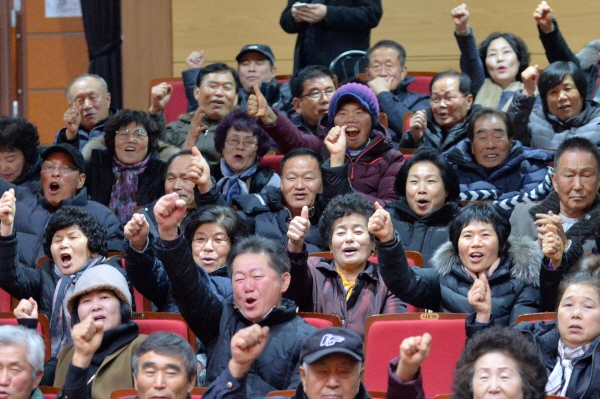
x,y
558,381
123,196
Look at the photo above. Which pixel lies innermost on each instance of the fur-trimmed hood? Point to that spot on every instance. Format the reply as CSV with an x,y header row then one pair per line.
x,y
588,55
526,255
165,151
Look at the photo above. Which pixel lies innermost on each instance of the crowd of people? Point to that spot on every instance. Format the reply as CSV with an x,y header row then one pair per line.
x,y
494,180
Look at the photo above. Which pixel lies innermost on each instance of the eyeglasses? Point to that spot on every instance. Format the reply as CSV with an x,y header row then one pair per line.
x,y
64,169
317,94
218,239
138,134
248,143
449,100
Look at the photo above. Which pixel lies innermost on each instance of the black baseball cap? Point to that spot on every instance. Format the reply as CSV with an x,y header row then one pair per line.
x,y
326,341
69,150
261,48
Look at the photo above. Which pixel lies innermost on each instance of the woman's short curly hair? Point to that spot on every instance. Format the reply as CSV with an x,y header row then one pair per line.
x,y
68,216
510,343
124,118
515,42
222,215
340,206
20,134
240,121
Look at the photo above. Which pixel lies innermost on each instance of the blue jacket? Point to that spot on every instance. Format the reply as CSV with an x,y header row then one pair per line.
x,y
522,171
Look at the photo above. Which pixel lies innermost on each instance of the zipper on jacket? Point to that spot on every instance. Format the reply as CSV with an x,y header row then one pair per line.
x,y
360,155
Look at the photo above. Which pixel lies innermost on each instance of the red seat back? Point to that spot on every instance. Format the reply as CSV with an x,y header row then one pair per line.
x,y
152,322
4,301
321,320
272,162
385,333
178,103
421,84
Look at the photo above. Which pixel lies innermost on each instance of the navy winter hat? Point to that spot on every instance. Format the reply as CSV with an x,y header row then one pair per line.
x,y
354,92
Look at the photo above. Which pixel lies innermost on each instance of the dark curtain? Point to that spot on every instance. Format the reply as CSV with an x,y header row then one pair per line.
x,y
102,25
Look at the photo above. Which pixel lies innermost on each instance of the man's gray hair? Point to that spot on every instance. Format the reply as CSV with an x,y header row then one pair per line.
x,y
27,339
167,344
86,75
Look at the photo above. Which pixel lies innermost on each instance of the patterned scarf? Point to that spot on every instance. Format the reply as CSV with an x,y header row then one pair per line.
x,y
558,382
123,196
233,184
60,320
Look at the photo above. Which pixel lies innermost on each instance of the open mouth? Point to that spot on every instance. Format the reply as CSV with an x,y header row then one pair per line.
x,y
349,251
217,103
238,158
422,203
54,187
100,318
130,149
501,69
352,132
250,302
65,260
476,256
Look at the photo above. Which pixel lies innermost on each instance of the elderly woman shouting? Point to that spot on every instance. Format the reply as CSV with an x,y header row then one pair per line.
x,y
478,259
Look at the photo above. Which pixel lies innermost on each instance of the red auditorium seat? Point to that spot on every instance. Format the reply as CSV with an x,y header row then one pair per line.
x,y
533,317
321,320
178,103
421,84
151,322
272,162
385,333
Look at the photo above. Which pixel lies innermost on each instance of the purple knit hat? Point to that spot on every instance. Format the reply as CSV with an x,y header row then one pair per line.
x,y
354,91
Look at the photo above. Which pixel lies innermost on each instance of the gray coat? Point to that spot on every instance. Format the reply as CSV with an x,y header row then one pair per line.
x,y
547,131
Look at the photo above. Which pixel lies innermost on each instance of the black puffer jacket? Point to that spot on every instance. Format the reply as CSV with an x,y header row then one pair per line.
x,y
422,234
445,287
214,322
266,216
